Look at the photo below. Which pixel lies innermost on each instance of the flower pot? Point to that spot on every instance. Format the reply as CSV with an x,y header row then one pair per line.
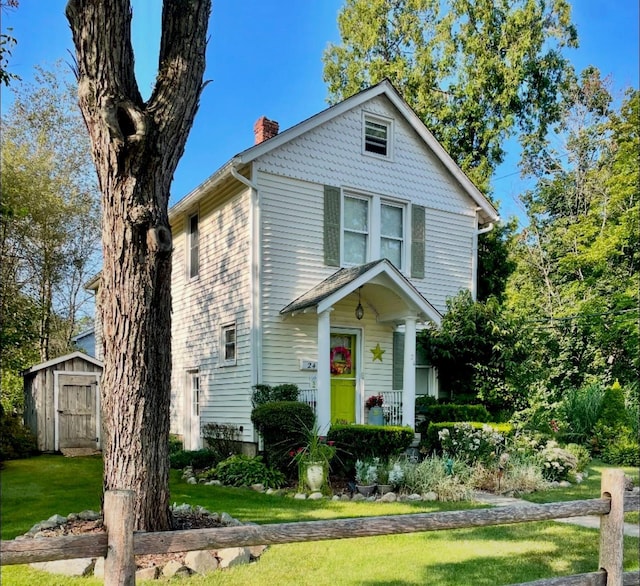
x,y
365,489
384,488
376,416
314,476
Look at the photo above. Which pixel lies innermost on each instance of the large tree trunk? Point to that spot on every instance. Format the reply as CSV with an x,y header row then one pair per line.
x,y
136,148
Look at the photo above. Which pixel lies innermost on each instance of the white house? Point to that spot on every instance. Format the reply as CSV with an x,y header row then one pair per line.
x,y
312,258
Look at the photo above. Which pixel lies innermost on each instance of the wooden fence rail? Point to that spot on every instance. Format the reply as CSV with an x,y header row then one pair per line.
x,y
120,544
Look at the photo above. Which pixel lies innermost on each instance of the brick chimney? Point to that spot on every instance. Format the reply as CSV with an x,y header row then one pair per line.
x,y
265,129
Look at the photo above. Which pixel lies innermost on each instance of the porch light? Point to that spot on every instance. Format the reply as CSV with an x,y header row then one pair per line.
x,y
359,309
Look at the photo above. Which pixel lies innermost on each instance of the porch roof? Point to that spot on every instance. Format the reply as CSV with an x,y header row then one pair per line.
x,y
388,293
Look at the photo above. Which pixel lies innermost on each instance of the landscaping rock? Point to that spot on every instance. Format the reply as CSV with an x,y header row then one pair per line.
x,y
345,497
358,497
57,520
315,496
147,574
389,497
98,568
76,567
229,521
429,496
258,487
233,556
255,551
175,568
201,562
192,480
89,515
300,496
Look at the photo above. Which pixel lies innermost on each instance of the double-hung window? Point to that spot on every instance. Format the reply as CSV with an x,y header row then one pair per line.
x,y
372,228
228,344
194,247
194,377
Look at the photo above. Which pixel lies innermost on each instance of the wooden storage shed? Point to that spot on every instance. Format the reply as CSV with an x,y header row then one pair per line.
x,y
62,402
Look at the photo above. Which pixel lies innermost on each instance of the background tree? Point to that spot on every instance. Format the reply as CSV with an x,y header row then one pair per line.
x,y
7,41
475,72
49,222
136,147
578,259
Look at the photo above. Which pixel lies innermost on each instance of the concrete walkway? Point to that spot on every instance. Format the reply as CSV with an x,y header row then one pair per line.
x,y
591,521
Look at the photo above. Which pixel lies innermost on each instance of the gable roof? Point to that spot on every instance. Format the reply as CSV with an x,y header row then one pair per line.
x,y
385,88
347,280
62,359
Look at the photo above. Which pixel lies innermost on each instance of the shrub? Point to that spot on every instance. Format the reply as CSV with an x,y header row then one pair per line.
x,y
452,412
471,444
175,444
557,463
263,394
518,476
622,450
283,426
239,470
580,410
582,456
449,479
430,441
16,440
198,459
360,442
222,439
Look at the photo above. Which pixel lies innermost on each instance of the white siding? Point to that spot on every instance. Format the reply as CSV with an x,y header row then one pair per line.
x,y
332,154
219,295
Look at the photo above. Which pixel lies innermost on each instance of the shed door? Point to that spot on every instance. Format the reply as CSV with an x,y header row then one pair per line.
x,y
77,411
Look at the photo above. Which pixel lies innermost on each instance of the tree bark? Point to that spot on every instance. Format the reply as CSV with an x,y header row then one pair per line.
x,y
136,147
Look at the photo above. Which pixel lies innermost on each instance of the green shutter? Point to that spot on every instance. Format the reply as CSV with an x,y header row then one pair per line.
x,y
332,226
417,241
398,361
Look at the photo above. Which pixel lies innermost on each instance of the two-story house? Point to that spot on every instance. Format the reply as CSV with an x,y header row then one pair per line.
x,y
313,258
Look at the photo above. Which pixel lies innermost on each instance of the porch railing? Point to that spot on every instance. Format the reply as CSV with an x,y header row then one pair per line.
x,y
310,397
392,407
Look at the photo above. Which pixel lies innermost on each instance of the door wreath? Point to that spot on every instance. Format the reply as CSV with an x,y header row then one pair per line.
x,y
342,366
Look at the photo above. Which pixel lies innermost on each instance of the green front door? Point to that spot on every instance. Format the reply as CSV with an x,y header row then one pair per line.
x,y
343,377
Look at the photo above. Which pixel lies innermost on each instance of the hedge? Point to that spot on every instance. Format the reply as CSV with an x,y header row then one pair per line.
x,y
357,442
451,412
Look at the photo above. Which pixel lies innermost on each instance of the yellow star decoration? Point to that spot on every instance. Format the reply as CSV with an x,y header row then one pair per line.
x,y
377,352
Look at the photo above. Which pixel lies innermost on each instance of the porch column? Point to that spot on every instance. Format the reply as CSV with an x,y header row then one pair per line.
x,y
409,391
323,408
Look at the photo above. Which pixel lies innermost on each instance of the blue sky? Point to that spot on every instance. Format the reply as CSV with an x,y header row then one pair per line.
x,y
264,58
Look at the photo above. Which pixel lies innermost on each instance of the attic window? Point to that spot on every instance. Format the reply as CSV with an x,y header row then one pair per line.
x,y
377,136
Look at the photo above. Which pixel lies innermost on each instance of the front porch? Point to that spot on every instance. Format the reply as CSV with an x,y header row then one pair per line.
x,y
392,404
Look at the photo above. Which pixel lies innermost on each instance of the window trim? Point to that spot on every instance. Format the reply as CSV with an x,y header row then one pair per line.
x,y
196,392
382,121
191,247
224,328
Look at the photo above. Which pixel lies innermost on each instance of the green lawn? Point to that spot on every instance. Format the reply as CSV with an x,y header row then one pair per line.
x,y
35,489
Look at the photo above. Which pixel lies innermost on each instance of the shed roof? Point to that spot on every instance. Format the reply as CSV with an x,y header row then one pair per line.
x,y
62,359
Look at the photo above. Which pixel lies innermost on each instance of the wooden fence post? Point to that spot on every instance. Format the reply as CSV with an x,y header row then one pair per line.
x,y
612,526
120,563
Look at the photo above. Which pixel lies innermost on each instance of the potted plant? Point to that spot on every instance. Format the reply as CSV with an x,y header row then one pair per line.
x,y
367,476
384,486
313,460
374,405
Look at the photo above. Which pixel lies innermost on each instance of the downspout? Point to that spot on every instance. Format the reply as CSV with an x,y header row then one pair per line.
x,y
474,257
255,274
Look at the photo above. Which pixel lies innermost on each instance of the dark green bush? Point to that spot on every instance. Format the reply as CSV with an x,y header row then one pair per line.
x,y
242,470
197,459
424,401
283,426
267,394
452,412
358,442
175,444
222,439
624,450
430,441
613,422
16,440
